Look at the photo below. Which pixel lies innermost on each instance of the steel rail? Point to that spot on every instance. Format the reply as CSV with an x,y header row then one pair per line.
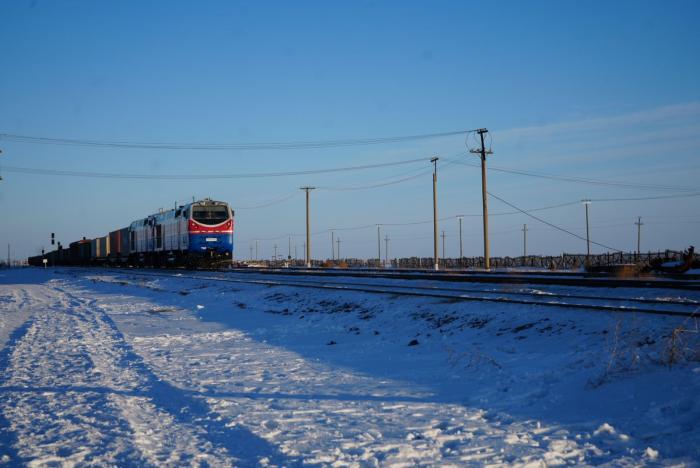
x,y
640,300
388,291
564,280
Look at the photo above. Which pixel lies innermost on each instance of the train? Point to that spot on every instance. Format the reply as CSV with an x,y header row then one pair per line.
x,y
195,234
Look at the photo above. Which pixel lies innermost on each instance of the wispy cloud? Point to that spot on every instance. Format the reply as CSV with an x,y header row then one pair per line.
x,y
688,112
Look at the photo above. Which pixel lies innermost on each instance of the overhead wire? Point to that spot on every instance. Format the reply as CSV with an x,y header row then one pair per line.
x,y
585,180
274,201
274,145
111,175
410,223
551,224
393,181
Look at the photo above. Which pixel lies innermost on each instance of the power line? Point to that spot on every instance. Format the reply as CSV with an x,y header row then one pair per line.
x,y
279,145
584,180
660,197
274,201
393,181
409,223
552,225
111,175
377,185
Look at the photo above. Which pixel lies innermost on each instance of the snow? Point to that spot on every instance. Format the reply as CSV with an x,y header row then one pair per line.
x,y
113,368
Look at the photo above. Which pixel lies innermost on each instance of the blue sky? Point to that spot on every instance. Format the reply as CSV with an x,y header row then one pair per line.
x,y
601,90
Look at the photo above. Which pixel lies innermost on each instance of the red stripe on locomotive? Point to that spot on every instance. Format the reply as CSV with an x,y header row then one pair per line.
x,y
224,228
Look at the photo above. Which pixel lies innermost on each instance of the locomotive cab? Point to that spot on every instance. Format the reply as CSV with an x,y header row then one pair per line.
x,y
210,226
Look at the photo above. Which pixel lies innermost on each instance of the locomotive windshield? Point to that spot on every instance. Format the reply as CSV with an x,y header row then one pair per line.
x,y
210,214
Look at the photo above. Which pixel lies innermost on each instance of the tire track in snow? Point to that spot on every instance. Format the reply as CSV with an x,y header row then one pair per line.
x,y
68,396
89,363
8,438
48,396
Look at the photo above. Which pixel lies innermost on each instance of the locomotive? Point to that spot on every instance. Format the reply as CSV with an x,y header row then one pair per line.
x,y
196,234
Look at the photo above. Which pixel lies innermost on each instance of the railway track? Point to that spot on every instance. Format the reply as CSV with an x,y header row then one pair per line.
x,y
682,307
541,278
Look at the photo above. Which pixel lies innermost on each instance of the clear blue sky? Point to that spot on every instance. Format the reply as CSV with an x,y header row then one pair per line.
x,y
602,90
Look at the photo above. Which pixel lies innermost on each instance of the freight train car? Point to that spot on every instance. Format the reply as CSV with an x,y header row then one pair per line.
x,y
119,246
198,233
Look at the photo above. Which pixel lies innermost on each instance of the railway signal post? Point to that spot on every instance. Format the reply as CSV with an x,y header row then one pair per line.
x,y
461,251
436,265
332,245
482,152
379,247
308,235
386,250
639,224
443,249
586,202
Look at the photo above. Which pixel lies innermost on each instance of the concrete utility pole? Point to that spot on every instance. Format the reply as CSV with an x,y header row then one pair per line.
x,y
586,202
483,152
524,241
308,233
289,249
275,257
436,265
379,247
639,224
386,249
338,242
332,246
461,252
443,249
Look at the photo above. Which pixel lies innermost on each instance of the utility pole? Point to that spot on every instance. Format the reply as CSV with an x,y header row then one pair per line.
x,y
639,224
443,249
586,202
289,249
461,252
483,152
275,257
386,249
295,252
332,245
524,241
8,256
256,250
251,253
338,242
379,247
308,234
436,265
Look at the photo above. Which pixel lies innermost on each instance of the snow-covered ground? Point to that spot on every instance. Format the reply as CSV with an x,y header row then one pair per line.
x,y
103,367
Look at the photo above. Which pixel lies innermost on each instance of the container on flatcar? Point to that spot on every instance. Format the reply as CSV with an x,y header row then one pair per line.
x,y
118,242
104,246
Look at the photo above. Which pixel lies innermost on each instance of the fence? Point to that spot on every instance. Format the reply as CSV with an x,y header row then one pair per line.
x,y
565,261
